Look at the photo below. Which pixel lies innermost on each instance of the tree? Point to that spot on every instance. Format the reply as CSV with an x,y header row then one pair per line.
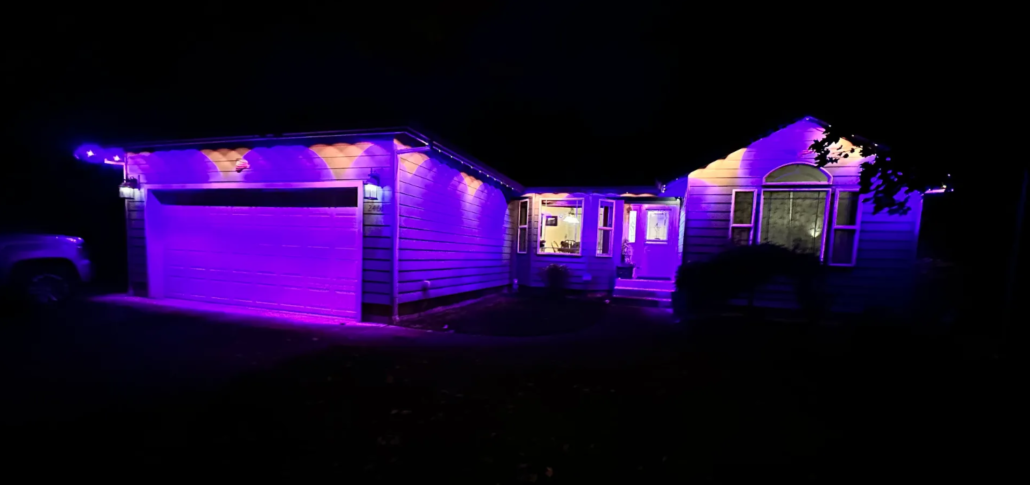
x,y
891,180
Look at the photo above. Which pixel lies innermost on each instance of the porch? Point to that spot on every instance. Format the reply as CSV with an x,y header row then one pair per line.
x,y
649,292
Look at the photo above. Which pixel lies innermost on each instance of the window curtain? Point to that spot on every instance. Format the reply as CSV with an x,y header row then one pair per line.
x,y
794,219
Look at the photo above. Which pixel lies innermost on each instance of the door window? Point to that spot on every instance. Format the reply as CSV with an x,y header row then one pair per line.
x,y
657,225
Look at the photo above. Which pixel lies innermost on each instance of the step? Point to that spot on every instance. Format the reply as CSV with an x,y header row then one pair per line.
x,y
645,284
643,293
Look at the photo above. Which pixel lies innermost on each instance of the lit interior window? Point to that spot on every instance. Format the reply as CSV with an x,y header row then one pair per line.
x,y
561,226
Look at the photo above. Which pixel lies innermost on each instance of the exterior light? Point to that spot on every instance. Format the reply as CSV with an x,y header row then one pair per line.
x,y
372,188
89,153
117,158
127,190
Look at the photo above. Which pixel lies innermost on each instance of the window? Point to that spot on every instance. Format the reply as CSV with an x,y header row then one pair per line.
x,y
605,226
523,240
794,219
560,226
797,173
844,245
657,225
632,227
743,223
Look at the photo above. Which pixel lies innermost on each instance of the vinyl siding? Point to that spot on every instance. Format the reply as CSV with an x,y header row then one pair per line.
x,y
884,269
287,163
455,230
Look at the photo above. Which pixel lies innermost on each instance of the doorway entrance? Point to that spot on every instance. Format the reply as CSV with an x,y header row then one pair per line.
x,y
652,234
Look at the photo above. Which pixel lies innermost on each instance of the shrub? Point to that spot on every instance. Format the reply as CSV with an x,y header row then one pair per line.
x,y
738,272
556,277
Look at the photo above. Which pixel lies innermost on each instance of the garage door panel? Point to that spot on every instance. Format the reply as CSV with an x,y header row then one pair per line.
x,y
305,259
202,276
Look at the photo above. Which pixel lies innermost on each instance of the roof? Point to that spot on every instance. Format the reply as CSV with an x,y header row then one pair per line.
x,y
428,143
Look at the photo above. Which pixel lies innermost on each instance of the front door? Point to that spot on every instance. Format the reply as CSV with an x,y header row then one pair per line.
x,y
655,230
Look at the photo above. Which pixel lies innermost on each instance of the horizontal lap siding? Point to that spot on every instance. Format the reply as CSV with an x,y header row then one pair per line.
x,y
886,249
455,231
295,163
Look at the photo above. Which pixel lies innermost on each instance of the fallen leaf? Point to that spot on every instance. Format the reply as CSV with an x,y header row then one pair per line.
x,y
393,411
549,472
389,379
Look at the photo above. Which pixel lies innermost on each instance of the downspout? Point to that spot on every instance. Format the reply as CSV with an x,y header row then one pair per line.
x,y
396,262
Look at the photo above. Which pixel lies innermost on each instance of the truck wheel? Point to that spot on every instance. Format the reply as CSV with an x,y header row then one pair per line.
x,y
46,284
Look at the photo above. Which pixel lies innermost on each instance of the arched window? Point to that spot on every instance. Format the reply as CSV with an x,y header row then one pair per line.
x,y
798,173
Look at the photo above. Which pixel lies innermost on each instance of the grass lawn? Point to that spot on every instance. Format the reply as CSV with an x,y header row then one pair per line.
x,y
740,401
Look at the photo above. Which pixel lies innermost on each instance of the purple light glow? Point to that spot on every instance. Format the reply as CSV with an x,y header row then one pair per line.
x,y
94,153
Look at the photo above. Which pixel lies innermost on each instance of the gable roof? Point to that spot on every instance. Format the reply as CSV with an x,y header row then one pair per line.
x,y
681,181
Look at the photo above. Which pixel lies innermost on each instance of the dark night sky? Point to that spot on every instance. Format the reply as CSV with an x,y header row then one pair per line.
x,y
542,93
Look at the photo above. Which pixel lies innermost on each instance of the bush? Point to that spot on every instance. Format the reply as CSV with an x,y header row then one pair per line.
x,y
556,278
738,272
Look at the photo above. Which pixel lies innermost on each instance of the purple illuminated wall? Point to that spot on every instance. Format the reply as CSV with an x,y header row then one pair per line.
x,y
455,231
277,164
886,245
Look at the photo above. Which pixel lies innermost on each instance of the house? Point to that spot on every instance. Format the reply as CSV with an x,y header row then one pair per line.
x,y
375,225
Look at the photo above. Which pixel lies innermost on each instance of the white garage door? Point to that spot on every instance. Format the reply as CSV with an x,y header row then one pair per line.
x,y
293,250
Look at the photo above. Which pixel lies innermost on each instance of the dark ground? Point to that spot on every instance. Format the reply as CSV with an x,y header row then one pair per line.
x,y
99,390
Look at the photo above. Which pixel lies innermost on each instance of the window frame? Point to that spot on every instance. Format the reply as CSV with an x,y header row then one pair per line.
x,y
733,211
540,222
610,229
826,211
827,183
855,227
631,222
668,222
521,227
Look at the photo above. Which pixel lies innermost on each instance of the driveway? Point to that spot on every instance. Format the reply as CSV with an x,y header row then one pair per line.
x,y
118,388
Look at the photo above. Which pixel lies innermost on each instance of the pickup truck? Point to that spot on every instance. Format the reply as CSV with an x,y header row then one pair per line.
x,y
42,268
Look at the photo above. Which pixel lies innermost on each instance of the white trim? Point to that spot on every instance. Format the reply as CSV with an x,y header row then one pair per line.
x,y
540,225
520,226
609,230
829,177
854,227
826,212
733,211
153,243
